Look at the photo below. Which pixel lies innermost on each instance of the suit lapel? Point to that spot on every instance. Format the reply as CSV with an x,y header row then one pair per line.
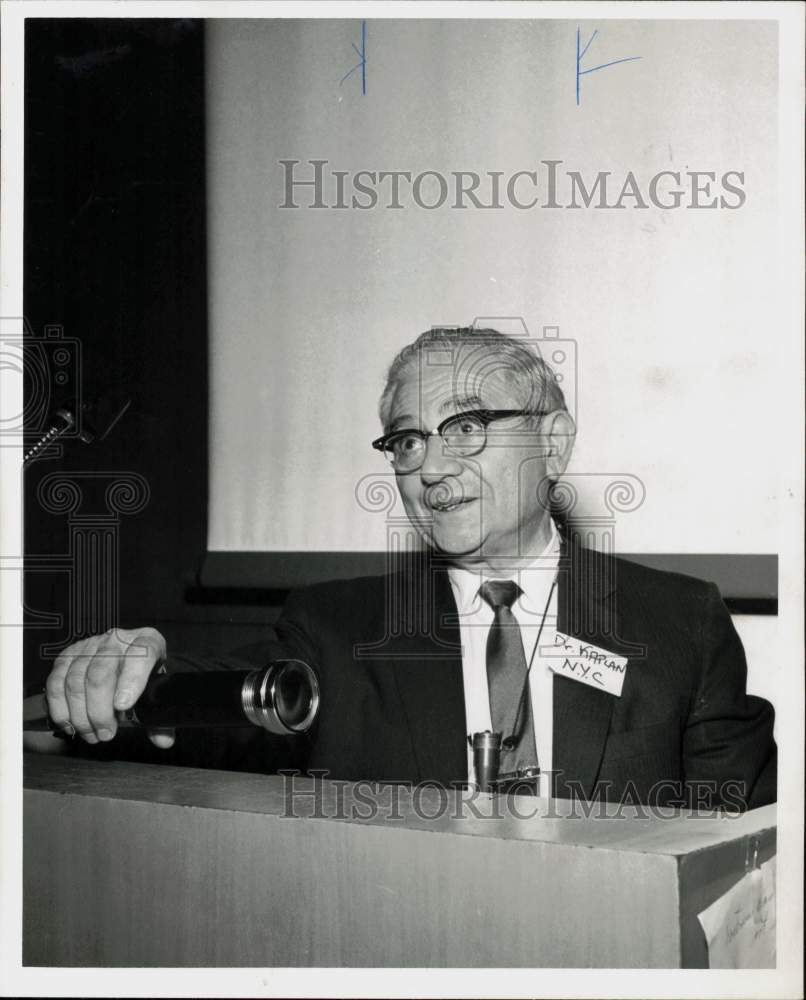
x,y
428,670
429,677
585,610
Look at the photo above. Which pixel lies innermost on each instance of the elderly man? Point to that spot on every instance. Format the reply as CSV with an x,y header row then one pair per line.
x,y
462,637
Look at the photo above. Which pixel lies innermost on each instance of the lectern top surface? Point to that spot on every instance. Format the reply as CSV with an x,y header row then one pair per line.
x,y
395,807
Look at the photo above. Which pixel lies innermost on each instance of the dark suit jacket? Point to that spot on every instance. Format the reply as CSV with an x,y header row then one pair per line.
x,y
388,656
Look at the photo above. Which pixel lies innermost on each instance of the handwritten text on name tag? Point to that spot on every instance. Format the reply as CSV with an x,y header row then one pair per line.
x,y
589,664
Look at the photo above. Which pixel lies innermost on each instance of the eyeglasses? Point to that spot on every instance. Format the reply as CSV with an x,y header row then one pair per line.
x,y
463,434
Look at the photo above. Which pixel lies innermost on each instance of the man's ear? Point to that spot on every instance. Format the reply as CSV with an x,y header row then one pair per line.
x,y
560,431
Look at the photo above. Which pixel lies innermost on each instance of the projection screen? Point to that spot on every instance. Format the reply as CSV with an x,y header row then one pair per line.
x,y
660,314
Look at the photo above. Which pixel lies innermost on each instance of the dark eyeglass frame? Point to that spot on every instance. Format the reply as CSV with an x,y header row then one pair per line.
x,y
485,417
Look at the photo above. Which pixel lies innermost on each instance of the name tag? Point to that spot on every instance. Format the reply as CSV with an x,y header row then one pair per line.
x,y
586,663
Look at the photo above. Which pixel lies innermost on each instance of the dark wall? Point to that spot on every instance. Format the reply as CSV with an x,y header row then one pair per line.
x,y
115,254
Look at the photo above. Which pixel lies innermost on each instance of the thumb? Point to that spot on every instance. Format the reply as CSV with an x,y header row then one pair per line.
x,y
162,738
143,649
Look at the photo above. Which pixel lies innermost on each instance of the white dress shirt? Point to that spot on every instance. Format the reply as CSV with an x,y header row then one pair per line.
x,y
539,597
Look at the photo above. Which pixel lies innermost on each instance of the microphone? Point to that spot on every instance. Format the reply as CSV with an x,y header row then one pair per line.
x,y
282,698
487,763
87,419
65,419
486,760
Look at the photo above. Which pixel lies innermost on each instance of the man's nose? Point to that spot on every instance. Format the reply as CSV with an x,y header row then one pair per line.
x,y
438,461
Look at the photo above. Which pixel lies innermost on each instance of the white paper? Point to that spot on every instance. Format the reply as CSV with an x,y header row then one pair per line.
x,y
740,926
586,663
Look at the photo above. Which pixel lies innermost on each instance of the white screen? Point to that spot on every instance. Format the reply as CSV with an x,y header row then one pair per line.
x,y
671,311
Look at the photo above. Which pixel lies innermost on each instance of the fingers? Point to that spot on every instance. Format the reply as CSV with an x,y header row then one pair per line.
x,y
95,676
75,690
65,696
100,682
162,738
55,691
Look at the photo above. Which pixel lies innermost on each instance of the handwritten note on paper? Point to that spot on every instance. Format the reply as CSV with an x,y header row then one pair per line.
x,y
740,926
594,69
584,662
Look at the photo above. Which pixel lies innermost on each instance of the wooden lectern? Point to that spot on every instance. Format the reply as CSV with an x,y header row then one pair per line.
x,y
142,865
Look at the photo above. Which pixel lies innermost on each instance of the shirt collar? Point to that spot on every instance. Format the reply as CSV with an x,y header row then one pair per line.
x,y
534,578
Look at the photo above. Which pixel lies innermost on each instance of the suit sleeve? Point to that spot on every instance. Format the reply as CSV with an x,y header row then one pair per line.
x,y
292,640
729,754
249,748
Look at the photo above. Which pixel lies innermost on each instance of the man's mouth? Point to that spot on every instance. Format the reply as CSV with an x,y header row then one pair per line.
x,y
450,505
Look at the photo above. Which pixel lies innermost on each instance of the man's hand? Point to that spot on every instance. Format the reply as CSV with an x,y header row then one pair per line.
x,y
96,676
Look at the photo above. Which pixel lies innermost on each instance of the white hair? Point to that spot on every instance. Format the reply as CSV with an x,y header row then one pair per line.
x,y
484,351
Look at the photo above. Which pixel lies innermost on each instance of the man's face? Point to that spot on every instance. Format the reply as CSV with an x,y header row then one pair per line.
x,y
486,506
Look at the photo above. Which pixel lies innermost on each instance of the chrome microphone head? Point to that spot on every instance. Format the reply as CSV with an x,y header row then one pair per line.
x,y
486,759
283,698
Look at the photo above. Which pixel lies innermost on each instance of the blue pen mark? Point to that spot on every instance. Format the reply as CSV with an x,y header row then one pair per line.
x,y
593,69
362,65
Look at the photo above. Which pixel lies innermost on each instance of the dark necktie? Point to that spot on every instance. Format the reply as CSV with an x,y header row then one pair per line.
x,y
510,701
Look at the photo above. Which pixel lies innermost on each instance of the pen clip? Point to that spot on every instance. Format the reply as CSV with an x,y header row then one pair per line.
x,y
751,855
